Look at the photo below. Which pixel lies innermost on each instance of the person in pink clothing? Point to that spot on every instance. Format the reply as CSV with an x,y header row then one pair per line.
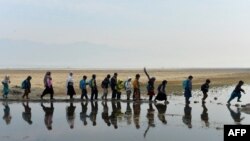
x,y
48,85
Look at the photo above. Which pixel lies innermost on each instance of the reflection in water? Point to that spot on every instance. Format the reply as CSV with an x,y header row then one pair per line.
x,y
27,113
105,113
162,108
187,118
119,113
70,115
150,117
128,114
137,111
204,115
7,116
83,114
235,115
113,116
48,115
94,111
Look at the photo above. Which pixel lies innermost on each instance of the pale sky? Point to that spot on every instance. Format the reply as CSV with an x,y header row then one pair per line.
x,y
124,33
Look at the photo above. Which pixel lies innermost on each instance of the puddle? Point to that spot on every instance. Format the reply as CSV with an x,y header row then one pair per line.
x,y
122,121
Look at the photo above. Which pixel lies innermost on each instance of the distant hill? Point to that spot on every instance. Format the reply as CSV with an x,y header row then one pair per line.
x,y
21,54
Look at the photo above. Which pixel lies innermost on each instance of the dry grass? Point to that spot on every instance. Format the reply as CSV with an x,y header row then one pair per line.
x,y
219,77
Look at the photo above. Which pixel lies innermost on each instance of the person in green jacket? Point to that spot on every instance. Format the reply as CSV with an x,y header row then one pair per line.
x,y
6,89
119,88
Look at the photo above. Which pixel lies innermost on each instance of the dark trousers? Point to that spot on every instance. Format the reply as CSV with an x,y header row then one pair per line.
x,y
84,94
48,90
118,95
150,98
114,93
204,96
234,95
94,93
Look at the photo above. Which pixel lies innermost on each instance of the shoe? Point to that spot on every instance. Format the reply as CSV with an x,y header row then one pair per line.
x,y
239,101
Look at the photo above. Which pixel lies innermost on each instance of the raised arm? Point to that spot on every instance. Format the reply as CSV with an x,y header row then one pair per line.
x,y
145,71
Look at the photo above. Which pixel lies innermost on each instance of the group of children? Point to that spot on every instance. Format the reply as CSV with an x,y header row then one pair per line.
x,y
117,86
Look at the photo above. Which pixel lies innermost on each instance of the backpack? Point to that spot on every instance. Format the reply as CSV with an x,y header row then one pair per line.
x,y
103,84
184,84
90,83
125,85
23,85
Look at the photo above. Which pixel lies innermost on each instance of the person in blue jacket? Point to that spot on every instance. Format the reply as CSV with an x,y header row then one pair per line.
x,y
83,87
237,92
188,89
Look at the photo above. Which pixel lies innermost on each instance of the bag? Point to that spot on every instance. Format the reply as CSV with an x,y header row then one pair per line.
x,y
23,85
125,85
184,84
90,83
103,84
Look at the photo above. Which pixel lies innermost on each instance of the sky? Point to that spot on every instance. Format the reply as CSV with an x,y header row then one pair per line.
x,y
124,33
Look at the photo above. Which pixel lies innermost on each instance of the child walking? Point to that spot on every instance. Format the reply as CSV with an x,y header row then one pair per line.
x,y
26,85
70,86
237,92
6,89
205,89
48,85
83,87
162,92
150,86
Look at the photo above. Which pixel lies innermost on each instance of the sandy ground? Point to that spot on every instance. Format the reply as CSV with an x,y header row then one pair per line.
x,y
219,77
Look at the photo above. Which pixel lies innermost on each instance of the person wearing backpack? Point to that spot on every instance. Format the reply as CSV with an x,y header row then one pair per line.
x,y
205,89
105,86
48,85
26,85
113,83
93,86
188,89
6,89
128,87
83,87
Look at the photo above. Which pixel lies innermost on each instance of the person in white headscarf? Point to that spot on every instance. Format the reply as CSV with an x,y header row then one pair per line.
x,y
70,86
128,87
6,89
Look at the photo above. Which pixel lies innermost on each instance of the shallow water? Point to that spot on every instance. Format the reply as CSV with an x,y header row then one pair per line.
x,y
121,120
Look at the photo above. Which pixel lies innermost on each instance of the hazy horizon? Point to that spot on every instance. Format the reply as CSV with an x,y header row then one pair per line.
x,y
124,34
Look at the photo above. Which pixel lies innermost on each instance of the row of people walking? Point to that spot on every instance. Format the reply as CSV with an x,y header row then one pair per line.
x,y
117,86
130,114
